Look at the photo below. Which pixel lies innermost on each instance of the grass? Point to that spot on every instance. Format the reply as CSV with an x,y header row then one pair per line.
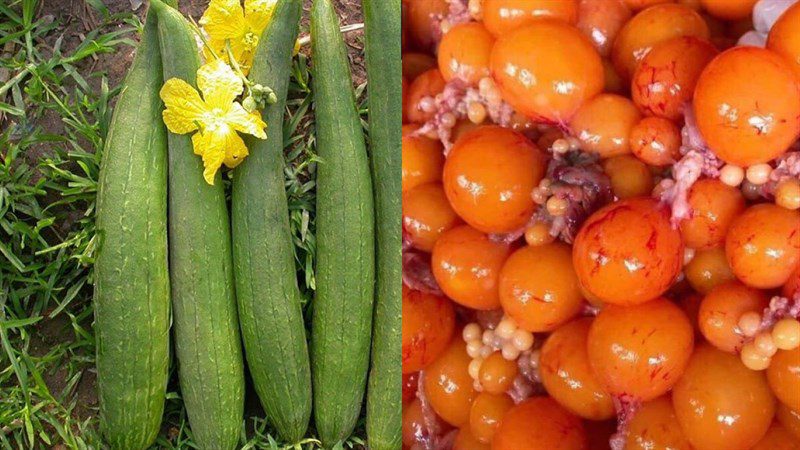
x,y
54,112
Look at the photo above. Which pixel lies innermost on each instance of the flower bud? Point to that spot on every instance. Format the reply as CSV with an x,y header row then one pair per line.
x,y
249,103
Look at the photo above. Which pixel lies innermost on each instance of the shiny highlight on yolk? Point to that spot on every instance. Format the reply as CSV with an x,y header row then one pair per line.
x,y
503,16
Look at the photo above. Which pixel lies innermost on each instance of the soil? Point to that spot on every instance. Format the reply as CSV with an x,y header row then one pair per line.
x,y
76,18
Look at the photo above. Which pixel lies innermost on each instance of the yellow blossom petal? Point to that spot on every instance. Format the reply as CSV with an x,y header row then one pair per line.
x,y
219,85
246,122
224,19
235,152
238,49
184,107
212,146
216,46
244,56
257,14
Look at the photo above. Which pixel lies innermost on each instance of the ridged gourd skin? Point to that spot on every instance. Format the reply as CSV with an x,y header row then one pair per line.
x,y
342,309
269,299
384,402
207,342
131,297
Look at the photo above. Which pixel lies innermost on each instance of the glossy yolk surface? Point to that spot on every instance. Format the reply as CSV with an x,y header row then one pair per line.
x,y
488,178
753,125
426,215
690,304
502,16
428,325
603,124
629,176
613,83
448,384
534,77
486,413
790,419
640,351
567,376
656,141
763,245
466,441
466,264
497,373
414,430
714,205
642,4
792,286
410,381
415,64
601,21
720,403
654,426
721,310
729,9
538,287
708,269
420,21
784,39
627,252
652,26
428,84
665,79
464,53
777,438
422,159
539,423
783,375
413,427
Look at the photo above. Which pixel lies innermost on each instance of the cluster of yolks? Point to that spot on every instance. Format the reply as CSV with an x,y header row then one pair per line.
x,y
636,67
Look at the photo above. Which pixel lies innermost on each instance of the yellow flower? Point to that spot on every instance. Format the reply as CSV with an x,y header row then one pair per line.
x,y
226,20
216,116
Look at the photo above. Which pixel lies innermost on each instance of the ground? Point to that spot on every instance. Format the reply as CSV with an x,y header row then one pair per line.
x,y
60,64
